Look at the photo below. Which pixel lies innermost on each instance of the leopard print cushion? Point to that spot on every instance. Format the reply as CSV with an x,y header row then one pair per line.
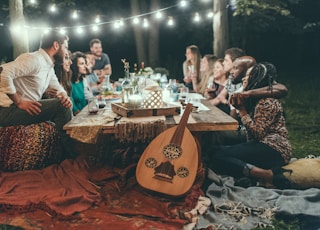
x,y
27,147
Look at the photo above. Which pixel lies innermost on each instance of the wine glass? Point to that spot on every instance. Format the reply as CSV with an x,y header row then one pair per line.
x,y
93,105
211,88
191,69
183,95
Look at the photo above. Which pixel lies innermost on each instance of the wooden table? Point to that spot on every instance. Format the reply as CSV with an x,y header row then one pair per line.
x,y
98,142
212,120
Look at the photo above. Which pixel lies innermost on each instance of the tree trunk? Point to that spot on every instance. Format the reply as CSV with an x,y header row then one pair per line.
x,y
19,36
138,33
154,38
220,27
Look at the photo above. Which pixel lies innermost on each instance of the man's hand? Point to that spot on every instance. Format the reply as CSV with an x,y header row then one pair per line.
x,y
65,100
31,107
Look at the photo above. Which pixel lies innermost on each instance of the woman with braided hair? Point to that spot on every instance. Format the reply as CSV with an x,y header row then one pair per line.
x,y
267,145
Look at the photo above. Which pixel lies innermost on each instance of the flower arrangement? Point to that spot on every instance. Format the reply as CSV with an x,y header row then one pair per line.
x,y
162,71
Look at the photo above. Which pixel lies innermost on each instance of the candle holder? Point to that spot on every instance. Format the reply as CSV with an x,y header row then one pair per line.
x,y
152,97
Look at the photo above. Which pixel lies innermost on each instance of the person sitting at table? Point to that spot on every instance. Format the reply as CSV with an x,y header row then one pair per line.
x,y
206,73
230,56
23,83
81,91
191,66
102,64
240,69
268,145
63,73
219,82
92,78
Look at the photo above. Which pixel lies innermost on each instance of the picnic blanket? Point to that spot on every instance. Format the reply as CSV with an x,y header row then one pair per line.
x,y
77,195
61,189
235,207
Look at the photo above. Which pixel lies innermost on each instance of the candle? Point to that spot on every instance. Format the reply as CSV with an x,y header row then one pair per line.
x,y
135,100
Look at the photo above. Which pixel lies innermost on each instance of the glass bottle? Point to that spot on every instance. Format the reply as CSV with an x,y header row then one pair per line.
x,y
126,88
107,86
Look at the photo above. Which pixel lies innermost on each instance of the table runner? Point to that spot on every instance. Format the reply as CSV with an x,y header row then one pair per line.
x,y
88,129
139,129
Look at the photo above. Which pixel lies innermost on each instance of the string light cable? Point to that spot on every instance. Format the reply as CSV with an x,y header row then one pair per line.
x,y
117,23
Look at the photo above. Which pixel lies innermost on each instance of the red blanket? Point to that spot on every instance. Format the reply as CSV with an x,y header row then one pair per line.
x,y
63,189
78,197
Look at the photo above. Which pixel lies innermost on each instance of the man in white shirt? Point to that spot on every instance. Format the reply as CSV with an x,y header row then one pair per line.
x,y
23,82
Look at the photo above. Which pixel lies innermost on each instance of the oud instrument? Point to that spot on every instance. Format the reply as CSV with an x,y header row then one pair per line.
x,y
170,162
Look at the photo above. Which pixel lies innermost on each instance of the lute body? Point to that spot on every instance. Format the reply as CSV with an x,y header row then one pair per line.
x,y
170,162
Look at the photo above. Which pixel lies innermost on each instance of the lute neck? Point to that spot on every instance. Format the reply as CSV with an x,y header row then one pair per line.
x,y
178,134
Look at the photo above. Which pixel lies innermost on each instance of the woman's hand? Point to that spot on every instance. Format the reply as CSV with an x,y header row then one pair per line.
x,y
210,93
237,100
50,93
187,79
65,100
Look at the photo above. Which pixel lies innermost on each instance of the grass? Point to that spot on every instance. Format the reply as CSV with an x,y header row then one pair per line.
x,y
302,109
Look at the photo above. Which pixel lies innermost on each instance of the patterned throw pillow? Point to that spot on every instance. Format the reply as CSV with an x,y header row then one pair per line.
x,y
27,147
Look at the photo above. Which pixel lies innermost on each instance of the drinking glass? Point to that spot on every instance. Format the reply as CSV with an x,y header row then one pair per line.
x,y
93,105
211,88
102,102
191,69
173,85
184,91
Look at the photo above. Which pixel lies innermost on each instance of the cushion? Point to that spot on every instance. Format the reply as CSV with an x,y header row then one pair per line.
x,y
27,147
305,173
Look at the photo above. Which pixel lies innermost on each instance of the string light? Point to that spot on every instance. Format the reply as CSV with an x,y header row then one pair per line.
x,y
33,2
117,24
79,30
197,17
145,23
135,20
62,31
75,14
53,8
210,14
159,15
170,21
97,19
95,28
47,30
16,29
183,3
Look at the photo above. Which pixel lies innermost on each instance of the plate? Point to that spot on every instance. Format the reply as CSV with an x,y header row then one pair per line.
x,y
110,97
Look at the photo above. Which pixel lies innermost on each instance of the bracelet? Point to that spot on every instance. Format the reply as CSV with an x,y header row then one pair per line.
x,y
247,168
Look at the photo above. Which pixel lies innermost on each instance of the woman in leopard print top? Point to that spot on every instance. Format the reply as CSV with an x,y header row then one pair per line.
x,y
268,146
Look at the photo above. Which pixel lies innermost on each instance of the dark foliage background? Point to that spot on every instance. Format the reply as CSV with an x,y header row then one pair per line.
x,y
266,36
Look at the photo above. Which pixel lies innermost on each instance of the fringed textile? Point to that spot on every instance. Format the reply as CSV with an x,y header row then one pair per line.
x,y
143,130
